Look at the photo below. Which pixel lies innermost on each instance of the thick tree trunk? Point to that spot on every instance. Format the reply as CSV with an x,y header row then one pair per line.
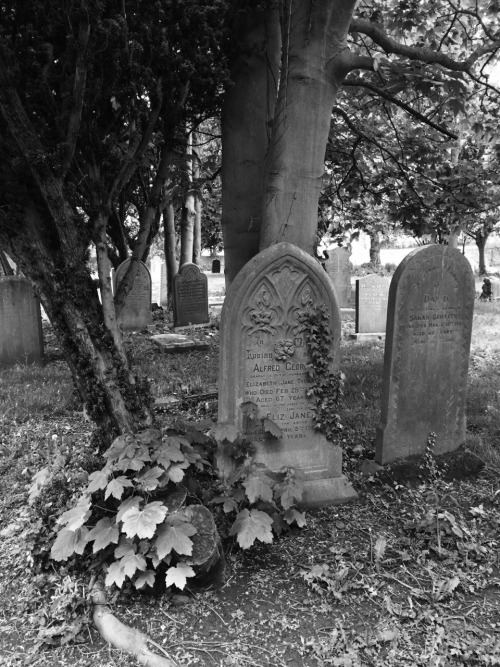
x,y
198,204
247,110
375,248
315,60
170,241
481,246
188,211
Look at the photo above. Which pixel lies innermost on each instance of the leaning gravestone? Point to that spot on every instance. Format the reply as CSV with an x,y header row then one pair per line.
x,y
338,267
372,294
21,338
136,311
263,370
429,324
190,296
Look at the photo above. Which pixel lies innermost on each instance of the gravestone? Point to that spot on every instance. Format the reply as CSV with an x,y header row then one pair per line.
x,y
372,294
136,311
190,296
21,338
155,270
429,324
338,267
216,266
163,286
263,369
495,288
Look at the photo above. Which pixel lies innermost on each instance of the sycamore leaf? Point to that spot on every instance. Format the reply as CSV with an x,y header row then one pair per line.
x,y
146,578
143,522
223,432
118,446
77,515
177,576
258,487
125,546
131,501
132,562
98,480
292,515
129,464
175,537
116,487
104,532
169,454
289,493
148,479
69,542
251,526
272,428
115,575
176,473
148,436
228,504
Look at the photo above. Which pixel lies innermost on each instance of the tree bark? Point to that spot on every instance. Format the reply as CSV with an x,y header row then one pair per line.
x,y
375,248
481,246
198,205
188,210
170,241
248,108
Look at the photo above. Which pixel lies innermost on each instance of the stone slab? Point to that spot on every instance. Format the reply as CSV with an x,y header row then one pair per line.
x,y
177,343
339,269
136,312
429,324
367,337
372,296
190,296
21,340
263,369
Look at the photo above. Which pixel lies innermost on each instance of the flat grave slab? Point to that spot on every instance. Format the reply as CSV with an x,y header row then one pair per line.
x,y
177,343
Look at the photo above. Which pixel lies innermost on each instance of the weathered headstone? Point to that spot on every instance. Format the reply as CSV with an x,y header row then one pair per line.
x,y
155,271
338,267
136,311
21,338
216,266
163,286
263,369
429,324
372,294
190,296
495,288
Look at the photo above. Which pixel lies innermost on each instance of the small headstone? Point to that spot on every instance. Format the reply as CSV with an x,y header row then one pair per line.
x,y
495,288
190,296
263,369
339,267
136,312
372,294
155,271
21,338
163,286
216,266
429,324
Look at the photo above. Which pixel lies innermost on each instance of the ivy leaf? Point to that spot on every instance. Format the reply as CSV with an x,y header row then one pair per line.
x,y
115,575
146,578
143,523
77,515
258,487
148,479
132,562
292,515
177,576
116,487
104,532
98,480
272,428
175,537
131,501
69,542
251,526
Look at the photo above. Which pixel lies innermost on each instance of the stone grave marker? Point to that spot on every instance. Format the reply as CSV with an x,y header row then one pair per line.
x,y
495,287
190,296
263,372
429,324
21,338
372,294
136,312
338,267
216,266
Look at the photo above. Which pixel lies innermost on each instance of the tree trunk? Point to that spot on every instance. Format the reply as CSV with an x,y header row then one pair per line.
x,y
247,109
188,211
481,246
170,241
5,267
315,61
198,204
375,248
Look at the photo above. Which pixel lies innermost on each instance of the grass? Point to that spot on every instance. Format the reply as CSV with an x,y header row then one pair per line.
x,y
361,584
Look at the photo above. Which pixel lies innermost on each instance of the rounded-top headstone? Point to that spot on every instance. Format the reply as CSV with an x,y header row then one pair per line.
x,y
136,311
21,338
429,326
190,296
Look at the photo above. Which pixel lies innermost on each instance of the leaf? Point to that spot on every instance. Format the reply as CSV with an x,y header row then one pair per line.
x,y
251,526
148,479
115,575
272,428
380,547
116,487
77,515
148,436
124,547
98,480
169,454
69,542
146,578
132,562
257,487
131,501
143,523
105,532
293,515
135,464
223,432
175,537
177,576
289,492
118,446
228,504
39,479
176,473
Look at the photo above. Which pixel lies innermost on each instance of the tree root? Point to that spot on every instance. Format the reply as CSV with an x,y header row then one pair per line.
x,y
122,637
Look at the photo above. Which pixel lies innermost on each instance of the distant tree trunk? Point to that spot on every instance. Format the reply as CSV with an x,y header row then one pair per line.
x,y
247,109
481,239
375,246
188,213
5,265
198,204
169,247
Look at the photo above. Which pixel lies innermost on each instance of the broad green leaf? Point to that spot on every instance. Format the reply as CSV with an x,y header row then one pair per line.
x,y
175,473
104,532
76,516
148,436
98,480
125,546
251,526
272,428
129,464
143,522
148,479
116,487
175,537
258,487
288,492
115,575
145,579
169,454
132,501
292,515
132,562
118,446
223,432
177,576
69,542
